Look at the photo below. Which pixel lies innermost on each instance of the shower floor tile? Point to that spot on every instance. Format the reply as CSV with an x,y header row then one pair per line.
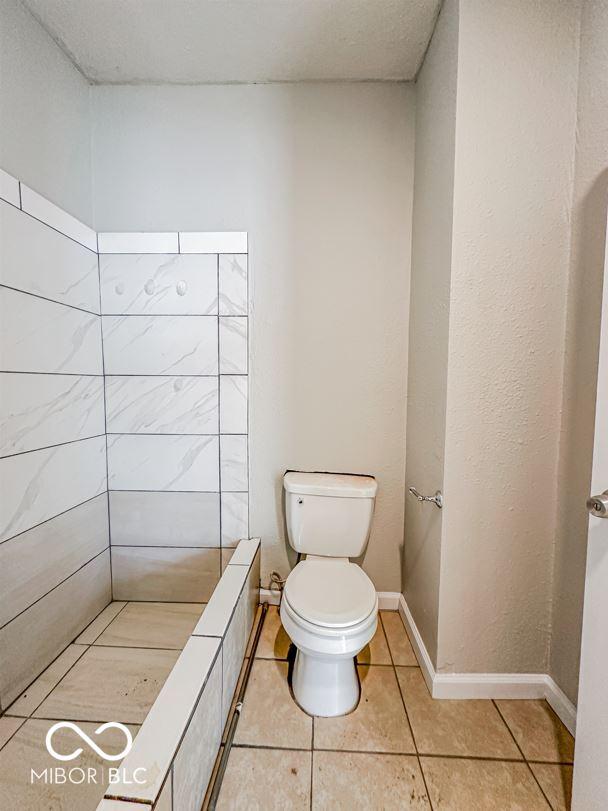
x,y
152,625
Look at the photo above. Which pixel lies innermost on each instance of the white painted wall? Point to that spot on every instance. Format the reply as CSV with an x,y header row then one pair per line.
x,y
44,109
321,177
429,319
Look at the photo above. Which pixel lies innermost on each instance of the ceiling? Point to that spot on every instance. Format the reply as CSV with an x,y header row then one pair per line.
x,y
199,41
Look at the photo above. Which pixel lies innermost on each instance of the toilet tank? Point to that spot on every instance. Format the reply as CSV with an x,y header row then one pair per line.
x,y
329,513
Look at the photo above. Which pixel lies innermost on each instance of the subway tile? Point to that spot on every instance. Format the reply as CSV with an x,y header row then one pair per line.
x,y
162,405
217,614
213,242
36,561
235,517
159,738
197,752
233,462
29,701
233,345
137,242
159,574
160,345
37,259
245,552
9,188
233,400
233,284
41,410
41,208
164,519
163,462
37,636
159,284
42,336
39,485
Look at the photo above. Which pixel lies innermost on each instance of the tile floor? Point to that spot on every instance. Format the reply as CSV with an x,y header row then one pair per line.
x,y
399,749
112,672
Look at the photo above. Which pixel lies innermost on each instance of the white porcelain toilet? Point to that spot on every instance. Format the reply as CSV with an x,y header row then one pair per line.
x,y
329,606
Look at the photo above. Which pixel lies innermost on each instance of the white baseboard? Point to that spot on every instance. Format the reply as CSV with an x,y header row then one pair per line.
x,y
487,685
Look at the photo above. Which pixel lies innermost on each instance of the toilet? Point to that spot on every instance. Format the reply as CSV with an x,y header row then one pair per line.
x,y
329,606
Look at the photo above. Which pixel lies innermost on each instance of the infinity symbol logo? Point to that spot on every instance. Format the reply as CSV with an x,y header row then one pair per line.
x,y
85,737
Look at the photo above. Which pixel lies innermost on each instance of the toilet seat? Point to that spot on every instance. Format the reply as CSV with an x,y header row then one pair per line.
x,y
331,595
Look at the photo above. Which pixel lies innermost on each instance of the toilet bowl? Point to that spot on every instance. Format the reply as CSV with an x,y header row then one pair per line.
x,y
330,611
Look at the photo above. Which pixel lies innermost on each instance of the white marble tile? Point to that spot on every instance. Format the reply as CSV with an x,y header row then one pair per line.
x,y
37,636
41,336
233,345
164,519
197,752
213,241
160,574
147,462
9,188
216,616
158,284
160,345
162,405
138,242
233,399
233,449
233,284
41,410
159,737
245,552
37,560
38,259
41,208
235,518
39,485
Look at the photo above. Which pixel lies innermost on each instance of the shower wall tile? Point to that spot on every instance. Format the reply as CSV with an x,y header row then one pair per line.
x,y
213,242
233,465
235,518
36,561
155,573
42,336
162,405
42,209
138,242
41,410
233,284
37,259
159,284
40,633
160,345
233,396
9,188
164,519
38,485
148,462
233,345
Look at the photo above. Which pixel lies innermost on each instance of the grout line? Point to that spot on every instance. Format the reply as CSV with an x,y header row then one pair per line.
x,y
55,374
52,518
105,626
312,758
47,298
105,423
56,445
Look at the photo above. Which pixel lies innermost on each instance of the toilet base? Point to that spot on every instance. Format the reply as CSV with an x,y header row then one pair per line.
x,y
325,686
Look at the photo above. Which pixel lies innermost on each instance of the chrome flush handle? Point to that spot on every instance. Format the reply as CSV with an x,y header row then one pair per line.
x,y
437,499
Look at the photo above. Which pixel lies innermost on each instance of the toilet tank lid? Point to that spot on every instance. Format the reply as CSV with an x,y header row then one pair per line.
x,y
336,485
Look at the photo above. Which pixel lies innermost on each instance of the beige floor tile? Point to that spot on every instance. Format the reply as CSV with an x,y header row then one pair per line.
x,y
556,782
100,623
26,750
398,640
270,716
378,724
8,727
110,684
152,625
481,785
266,780
347,780
376,653
538,730
453,727
274,642
48,679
